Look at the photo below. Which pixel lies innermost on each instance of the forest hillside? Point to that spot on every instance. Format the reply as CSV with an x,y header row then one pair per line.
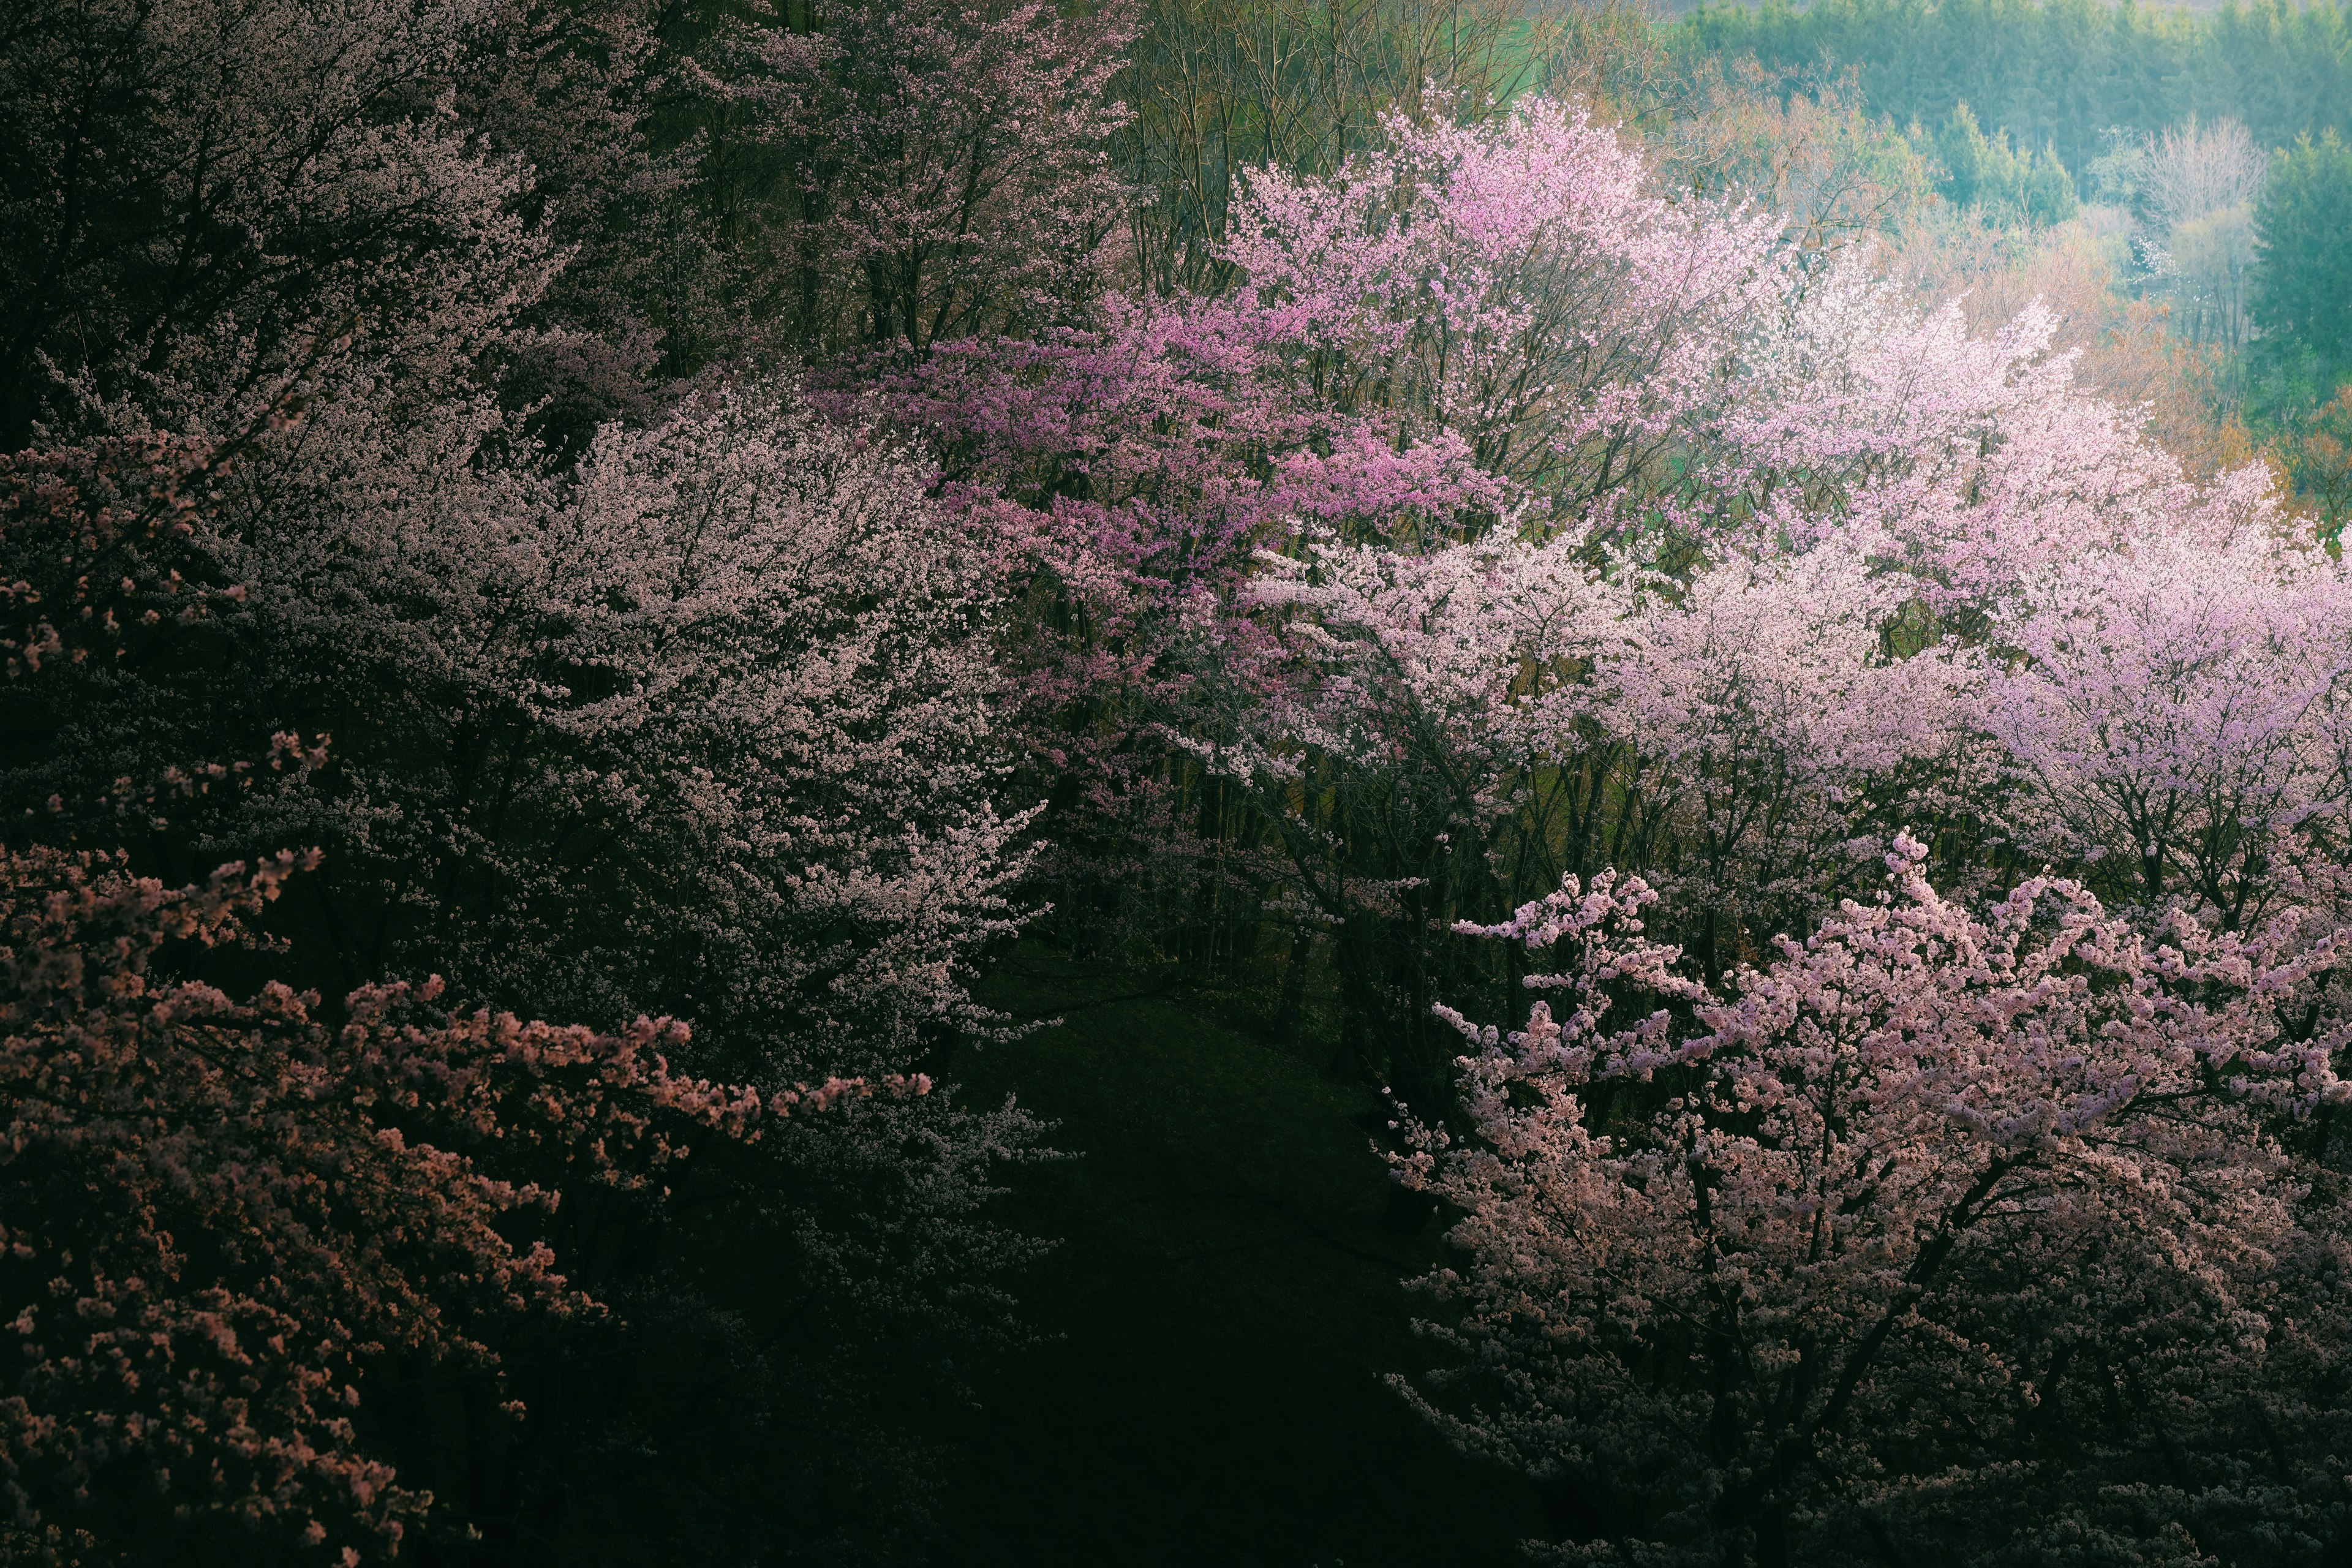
x,y
1290,781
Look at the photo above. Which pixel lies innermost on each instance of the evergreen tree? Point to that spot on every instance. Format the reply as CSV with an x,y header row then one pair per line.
x,y
1985,172
2303,289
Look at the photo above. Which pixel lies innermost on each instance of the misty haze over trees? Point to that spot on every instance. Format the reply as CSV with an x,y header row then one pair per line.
x,y
1175,780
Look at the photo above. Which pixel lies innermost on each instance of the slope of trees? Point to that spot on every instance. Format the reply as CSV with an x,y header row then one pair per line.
x,y
735,516
2061,73
2163,124
1598,530
687,717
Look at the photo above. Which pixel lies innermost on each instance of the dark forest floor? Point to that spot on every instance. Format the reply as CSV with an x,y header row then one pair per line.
x,y
1226,1299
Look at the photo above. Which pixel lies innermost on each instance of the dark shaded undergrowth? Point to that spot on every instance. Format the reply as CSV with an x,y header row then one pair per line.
x,y
1224,1302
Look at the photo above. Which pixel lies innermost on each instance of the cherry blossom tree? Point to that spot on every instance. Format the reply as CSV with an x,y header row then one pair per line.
x,y
2015,1232
701,728
746,630
1973,458
2177,706
1519,286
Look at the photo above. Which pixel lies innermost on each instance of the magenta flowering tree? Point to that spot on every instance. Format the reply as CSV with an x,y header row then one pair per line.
x,y
2011,1233
1123,476
1416,351
1518,287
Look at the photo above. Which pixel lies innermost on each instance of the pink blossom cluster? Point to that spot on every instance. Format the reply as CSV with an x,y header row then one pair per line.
x,y
1854,1236
1790,565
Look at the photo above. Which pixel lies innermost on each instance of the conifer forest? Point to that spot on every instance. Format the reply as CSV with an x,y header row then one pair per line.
x,y
1323,783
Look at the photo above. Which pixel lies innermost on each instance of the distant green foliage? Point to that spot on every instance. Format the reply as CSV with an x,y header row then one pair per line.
x,y
2302,290
1985,172
2060,73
